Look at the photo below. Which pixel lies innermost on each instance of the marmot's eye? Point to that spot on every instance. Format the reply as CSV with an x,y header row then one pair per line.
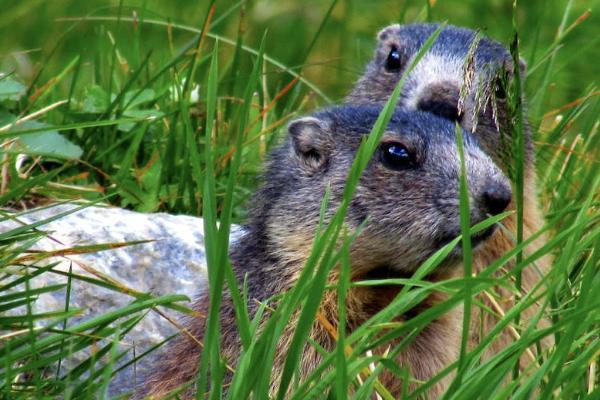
x,y
396,156
500,91
394,60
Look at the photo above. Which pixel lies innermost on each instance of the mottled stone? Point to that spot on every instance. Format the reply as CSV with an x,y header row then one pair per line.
x,y
173,263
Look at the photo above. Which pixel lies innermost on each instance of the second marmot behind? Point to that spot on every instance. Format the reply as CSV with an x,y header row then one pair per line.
x,y
461,77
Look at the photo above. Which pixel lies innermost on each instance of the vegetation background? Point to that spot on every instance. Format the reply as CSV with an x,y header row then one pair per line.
x,y
59,56
111,101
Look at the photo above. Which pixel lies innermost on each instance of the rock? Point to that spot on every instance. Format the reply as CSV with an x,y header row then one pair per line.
x,y
173,263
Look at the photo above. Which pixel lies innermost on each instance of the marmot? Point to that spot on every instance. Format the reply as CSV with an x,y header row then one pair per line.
x,y
409,197
434,86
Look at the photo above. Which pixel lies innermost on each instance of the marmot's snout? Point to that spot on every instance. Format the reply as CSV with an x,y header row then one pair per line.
x,y
441,99
491,199
489,189
495,198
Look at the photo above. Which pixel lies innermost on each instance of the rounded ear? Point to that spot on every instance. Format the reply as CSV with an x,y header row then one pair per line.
x,y
388,31
510,67
311,142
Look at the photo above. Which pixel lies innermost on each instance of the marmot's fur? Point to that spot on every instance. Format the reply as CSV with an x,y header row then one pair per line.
x,y
409,196
435,85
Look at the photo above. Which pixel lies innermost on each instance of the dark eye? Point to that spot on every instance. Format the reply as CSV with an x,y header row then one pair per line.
x,y
396,156
394,60
500,90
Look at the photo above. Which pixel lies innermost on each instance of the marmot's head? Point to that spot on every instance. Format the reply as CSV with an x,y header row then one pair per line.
x,y
436,82
408,193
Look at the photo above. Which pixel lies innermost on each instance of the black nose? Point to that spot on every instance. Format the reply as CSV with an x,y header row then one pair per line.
x,y
441,99
496,198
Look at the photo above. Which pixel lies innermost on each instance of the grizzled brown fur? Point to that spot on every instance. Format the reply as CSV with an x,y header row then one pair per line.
x,y
434,86
409,196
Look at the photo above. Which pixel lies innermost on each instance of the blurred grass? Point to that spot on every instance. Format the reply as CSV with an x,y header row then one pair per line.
x,y
339,54
145,115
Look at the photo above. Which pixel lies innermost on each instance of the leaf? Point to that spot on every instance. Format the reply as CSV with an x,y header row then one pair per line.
x,y
10,88
49,143
6,118
134,98
138,115
95,100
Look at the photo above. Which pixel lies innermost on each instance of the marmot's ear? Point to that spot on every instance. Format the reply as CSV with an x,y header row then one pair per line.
x,y
311,142
509,66
387,32
522,67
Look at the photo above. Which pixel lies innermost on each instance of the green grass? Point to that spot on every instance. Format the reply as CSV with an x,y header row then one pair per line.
x,y
174,108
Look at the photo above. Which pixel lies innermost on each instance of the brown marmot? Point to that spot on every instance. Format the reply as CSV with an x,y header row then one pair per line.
x,y
434,86
409,197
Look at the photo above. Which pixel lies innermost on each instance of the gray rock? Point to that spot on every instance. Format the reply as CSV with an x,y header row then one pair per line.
x,y
173,263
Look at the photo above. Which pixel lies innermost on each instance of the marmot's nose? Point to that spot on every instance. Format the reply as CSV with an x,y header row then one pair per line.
x,y
496,198
441,99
